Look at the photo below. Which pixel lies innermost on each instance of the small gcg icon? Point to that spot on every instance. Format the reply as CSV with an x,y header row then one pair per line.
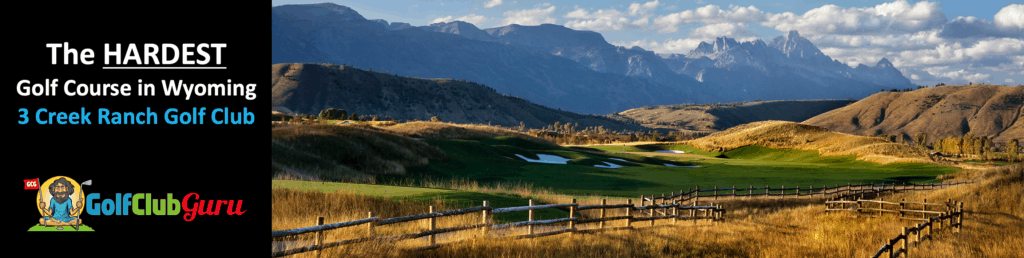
x,y
60,201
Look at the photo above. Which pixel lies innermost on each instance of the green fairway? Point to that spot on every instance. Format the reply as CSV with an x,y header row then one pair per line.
x,y
40,228
493,161
374,190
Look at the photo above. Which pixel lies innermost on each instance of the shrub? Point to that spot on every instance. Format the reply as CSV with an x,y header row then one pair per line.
x,y
333,113
435,119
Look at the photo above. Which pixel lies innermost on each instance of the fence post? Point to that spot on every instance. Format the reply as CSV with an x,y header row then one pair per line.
x,y
675,210
433,225
751,191
484,220
734,191
319,235
918,228
906,238
782,192
810,192
369,226
959,216
931,221
941,217
696,197
902,206
529,229
642,201
603,203
716,192
663,200
629,209
572,213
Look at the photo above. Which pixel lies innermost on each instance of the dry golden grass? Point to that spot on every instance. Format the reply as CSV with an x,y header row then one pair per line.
x,y
344,153
790,135
993,227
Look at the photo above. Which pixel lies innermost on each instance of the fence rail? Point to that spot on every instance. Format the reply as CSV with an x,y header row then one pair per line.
x,y
921,232
712,213
837,195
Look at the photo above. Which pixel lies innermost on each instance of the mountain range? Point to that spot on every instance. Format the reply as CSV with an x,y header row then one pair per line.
x,y
309,88
572,70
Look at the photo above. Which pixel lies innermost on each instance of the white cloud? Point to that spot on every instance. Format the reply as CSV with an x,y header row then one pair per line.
x,y
1008,80
915,77
611,19
967,76
492,3
1011,17
708,14
642,9
536,16
962,75
895,17
736,31
856,56
995,48
918,39
972,27
476,20
708,33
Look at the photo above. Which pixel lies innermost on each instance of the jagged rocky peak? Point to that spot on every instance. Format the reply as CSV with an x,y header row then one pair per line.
x,y
461,28
720,44
795,46
455,27
883,63
393,25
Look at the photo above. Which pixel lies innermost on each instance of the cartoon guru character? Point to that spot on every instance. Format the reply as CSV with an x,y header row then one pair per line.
x,y
61,208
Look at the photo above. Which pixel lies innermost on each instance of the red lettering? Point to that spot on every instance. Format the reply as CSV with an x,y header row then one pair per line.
x,y
237,208
212,207
190,210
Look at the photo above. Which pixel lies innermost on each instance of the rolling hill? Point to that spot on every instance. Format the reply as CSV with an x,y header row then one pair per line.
x,y
940,112
716,117
790,135
309,88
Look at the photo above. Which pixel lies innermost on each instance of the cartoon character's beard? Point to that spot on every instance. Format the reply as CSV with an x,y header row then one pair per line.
x,y
61,199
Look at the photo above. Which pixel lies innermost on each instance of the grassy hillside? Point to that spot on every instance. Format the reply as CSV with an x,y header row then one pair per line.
x,y
310,88
716,117
331,152
983,110
789,135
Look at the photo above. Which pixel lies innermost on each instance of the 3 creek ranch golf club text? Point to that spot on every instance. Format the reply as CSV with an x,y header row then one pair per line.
x,y
148,56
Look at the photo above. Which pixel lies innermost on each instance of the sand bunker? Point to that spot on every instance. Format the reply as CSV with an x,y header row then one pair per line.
x,y
691,166
608,165
545,158
670,151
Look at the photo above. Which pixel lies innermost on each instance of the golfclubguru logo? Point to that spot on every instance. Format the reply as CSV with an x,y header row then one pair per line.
x,y
144,204
61,200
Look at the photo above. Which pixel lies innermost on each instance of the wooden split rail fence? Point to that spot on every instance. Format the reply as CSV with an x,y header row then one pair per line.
x,y
848,191
712,213
949,213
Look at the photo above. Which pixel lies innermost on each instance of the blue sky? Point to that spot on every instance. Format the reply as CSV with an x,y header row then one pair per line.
x,y
929,41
